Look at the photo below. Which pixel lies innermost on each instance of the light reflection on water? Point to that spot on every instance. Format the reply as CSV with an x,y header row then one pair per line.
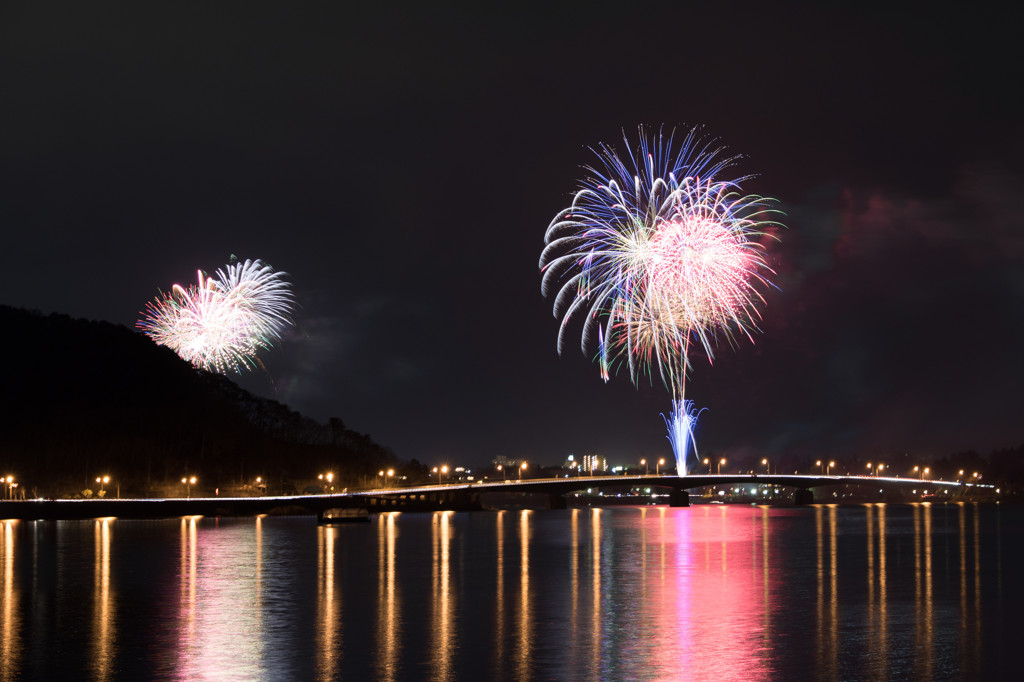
x,y
10,644
103,612
825,592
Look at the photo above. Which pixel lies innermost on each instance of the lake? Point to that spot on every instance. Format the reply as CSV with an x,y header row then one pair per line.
x,y
872,592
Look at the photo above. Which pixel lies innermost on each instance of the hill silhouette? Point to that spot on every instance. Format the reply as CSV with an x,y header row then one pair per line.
x,y
83,399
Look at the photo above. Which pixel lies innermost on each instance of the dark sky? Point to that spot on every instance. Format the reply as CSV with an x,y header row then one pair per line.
x,y
402,161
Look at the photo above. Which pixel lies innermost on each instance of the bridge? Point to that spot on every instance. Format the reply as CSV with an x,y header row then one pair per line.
x,y
454,496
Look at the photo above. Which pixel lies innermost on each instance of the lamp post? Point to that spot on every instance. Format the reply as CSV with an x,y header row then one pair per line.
x,y
327,478
818,464
522,468
102,482
764,462
9,482
720,463
188,481
829,467
643,463
391,475
500,468
707,463
657,469
444,470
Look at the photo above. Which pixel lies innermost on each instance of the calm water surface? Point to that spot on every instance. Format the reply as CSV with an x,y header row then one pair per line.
x,y
710,592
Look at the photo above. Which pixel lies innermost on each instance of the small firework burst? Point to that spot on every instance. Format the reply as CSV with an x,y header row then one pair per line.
x,y
221,323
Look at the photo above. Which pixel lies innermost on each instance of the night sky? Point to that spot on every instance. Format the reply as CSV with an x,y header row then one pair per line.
x,y
401,163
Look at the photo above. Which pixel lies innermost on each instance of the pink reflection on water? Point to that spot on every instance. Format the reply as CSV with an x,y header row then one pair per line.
x,y
709,594
219,624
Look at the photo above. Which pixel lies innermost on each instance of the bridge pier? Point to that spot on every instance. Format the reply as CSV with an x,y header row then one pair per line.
x,y
679,498
556,501
803,496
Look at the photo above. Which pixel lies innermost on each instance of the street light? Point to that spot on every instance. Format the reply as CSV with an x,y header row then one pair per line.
x,y
818,464
657,469
9,481
720,463
522,468
444,470
500,468
391,475
328,478
188,481
765,463
102,482
707,463
830,465
643,463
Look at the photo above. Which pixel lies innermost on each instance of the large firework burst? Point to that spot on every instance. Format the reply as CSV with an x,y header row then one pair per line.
x,y
661,256
221,323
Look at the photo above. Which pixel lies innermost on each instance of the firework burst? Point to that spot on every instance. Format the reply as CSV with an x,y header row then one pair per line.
x,y
660,257
221,323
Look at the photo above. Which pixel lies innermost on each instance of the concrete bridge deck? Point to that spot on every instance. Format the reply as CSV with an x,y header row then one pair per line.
x,y
456,496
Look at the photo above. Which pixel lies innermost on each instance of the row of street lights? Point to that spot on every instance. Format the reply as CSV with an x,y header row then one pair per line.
x,y
499,467
707,463
657,467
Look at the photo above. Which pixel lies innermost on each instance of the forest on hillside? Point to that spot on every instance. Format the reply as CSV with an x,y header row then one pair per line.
x,y
84,399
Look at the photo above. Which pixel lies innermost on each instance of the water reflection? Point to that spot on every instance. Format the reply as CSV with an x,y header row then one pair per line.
x,y
877,589
220,600
329,605
525,638
923,587
10,639
103,610
724,600
444,605
499,586
970,581
597,643
709,592
389,636
574,582
187,613
827,631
